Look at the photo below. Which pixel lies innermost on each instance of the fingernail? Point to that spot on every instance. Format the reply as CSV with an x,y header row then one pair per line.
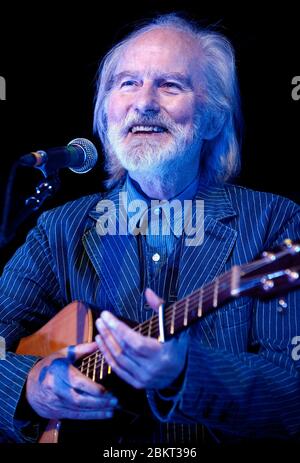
x,y
113,402
108,318
108,414
98,323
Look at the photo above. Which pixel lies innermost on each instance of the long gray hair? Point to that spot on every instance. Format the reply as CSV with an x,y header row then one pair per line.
x,y
220,156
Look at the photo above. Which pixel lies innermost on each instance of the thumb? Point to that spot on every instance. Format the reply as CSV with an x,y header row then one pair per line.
x,y
74,353
153,299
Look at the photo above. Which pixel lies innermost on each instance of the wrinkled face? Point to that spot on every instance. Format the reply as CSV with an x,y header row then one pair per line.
x,y
153,106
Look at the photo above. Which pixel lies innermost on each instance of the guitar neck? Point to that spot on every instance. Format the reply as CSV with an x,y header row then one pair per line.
x,y
177,317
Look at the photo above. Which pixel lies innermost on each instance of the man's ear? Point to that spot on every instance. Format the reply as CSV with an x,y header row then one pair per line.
x,y
214,124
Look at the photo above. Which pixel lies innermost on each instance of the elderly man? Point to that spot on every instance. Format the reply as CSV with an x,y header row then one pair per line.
x,y
168,115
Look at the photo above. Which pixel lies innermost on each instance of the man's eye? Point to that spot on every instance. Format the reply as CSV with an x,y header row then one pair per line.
x,y
171,85
128,83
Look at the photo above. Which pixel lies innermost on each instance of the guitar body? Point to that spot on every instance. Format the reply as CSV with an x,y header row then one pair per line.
x,y
72,325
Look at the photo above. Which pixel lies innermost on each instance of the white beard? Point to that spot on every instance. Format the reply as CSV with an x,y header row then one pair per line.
x,y
144,154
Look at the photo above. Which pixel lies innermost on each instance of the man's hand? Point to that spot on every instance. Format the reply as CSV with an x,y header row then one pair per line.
x,y
56,389
141,361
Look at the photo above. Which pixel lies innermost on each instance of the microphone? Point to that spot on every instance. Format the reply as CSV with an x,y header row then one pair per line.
x,y
80,156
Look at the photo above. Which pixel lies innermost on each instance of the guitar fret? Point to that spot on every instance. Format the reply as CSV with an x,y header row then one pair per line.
x,y
81,366
235,279
88,367
84,364
172,327
185,317
200,302
101,367
216,290
150,327
94,367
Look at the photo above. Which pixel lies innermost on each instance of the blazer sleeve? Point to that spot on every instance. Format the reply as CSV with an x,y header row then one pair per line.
x,y
29,297
252,394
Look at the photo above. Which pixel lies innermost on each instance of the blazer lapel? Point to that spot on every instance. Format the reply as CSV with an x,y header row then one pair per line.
x,y
202,263
116,261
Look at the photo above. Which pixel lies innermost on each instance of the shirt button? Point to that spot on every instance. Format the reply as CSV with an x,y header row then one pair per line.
x,y
157,211
156,257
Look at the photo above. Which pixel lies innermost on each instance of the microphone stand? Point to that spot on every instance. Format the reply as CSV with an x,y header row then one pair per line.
x,y
44,190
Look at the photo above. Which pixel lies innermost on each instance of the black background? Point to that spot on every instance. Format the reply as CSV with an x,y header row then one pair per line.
x,y
49,57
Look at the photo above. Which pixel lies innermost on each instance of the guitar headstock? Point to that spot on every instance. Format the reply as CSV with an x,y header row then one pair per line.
x,y
277,271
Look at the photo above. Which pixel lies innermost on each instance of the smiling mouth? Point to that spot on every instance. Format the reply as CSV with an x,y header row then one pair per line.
x,y
147,129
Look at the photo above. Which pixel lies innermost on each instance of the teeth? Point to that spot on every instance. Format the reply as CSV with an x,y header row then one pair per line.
x,y
146,128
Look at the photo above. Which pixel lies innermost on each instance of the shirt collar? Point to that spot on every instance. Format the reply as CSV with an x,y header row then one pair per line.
x,y
135,193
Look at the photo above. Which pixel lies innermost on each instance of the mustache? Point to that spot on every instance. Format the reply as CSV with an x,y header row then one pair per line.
x,y
148,119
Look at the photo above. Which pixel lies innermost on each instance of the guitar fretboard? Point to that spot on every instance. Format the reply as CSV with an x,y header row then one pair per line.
x,y
177,317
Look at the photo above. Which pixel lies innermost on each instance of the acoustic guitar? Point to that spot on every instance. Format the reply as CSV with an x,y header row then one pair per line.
x,y
273,274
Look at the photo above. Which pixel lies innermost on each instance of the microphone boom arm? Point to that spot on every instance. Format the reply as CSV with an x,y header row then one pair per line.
x,y
44,190
80,156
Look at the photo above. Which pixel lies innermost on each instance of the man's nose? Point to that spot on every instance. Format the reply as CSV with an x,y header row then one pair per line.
x,y
146,100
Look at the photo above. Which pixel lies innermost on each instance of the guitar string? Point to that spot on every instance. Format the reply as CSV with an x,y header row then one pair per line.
x,y
182,304
178,305
97,358
194,297
250,267
144,330
154,321
91,359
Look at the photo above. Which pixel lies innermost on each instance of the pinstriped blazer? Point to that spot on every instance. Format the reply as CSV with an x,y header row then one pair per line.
x,y
240,377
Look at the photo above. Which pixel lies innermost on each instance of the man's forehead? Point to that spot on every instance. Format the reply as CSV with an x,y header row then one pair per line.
x,y
160,52
161,44
163,36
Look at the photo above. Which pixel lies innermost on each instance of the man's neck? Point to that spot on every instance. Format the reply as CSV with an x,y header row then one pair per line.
x,y
165,183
